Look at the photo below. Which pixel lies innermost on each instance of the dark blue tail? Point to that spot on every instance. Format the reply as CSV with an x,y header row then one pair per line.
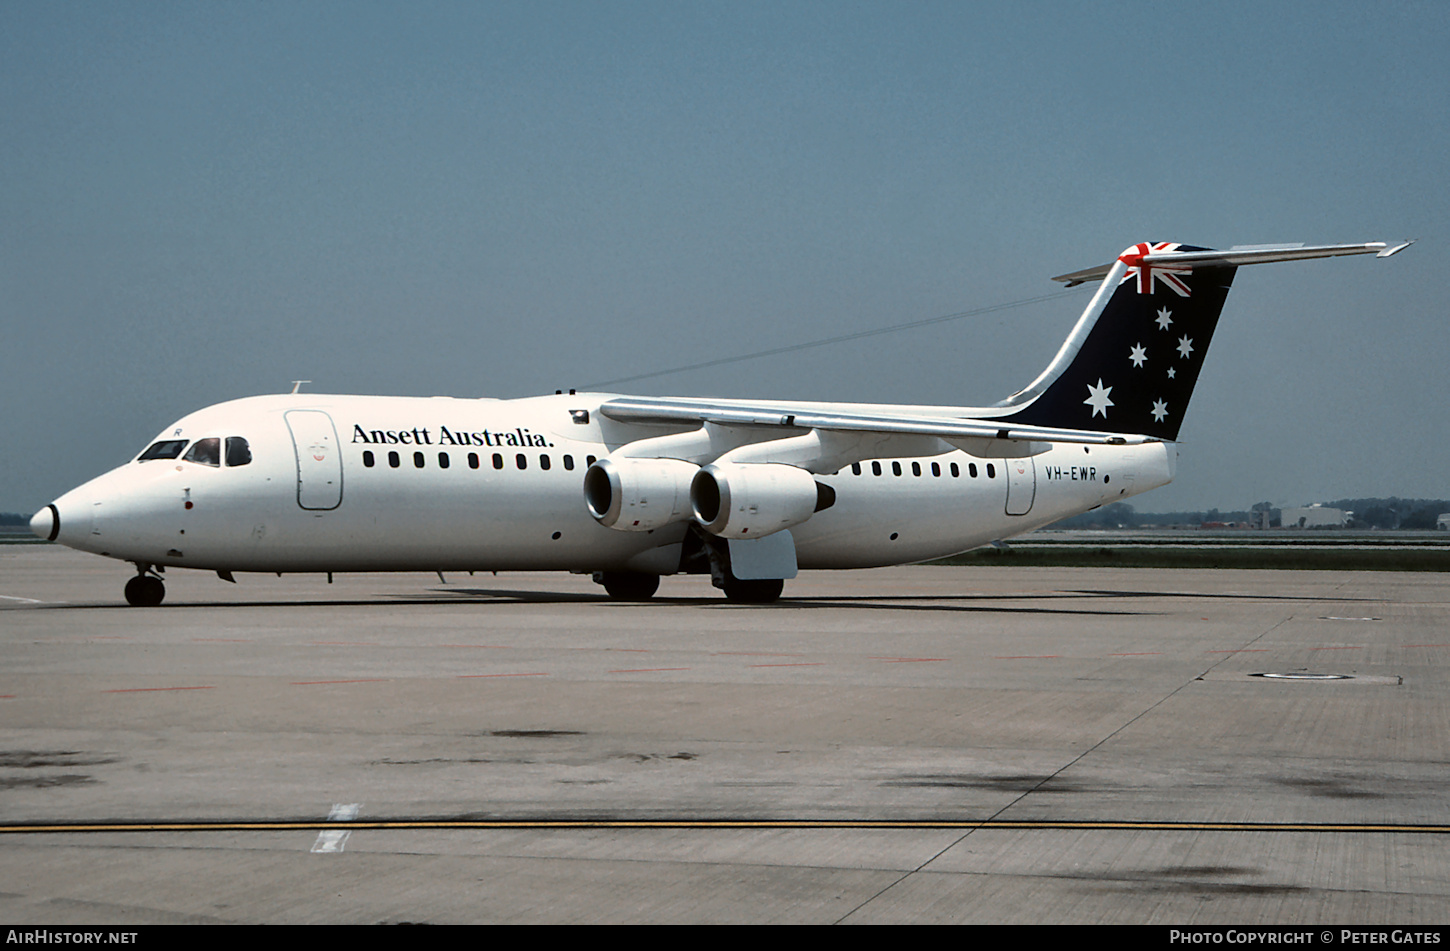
x,y
1134,357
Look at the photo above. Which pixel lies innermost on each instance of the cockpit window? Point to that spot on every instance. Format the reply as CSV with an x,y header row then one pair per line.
x,y
166,449
239,453
206,452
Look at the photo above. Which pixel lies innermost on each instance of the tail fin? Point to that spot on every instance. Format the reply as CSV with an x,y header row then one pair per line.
x,y
1131,362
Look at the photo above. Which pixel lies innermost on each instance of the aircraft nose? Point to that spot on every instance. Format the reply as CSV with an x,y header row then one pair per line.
x,y
46,523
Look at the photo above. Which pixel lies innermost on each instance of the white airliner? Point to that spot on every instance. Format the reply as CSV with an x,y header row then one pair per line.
x,y
632,488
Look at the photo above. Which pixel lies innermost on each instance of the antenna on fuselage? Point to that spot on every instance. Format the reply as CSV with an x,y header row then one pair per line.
x,y
297,385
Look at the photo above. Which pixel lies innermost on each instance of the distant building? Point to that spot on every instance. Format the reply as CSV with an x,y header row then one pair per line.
x,y
1315,516
1442,521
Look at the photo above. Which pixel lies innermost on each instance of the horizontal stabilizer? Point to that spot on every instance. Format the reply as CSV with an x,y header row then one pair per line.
x,y
1236,256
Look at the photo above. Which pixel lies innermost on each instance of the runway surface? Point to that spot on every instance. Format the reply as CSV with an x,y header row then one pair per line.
x,y
901,745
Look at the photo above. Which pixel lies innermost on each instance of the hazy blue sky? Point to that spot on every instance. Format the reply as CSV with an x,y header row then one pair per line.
x,y
200,201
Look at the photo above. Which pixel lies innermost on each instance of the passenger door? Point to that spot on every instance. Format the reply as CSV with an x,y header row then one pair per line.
x,y
1021,484
319,459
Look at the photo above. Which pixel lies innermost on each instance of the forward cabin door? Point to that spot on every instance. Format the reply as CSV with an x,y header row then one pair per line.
x,y
319,459
1021,484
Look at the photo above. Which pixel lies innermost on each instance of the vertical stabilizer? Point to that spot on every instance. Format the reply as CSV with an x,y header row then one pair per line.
x,y
1131,363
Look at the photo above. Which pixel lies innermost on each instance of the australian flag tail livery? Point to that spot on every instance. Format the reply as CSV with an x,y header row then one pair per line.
x,y
1131,362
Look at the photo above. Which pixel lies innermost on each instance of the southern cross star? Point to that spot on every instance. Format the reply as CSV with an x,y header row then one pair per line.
x,y
1098,398
1139,356
1160,410
1185,346
1165,317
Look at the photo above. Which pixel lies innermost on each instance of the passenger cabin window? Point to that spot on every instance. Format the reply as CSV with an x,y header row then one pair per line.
x,y
206,452
166,449
368,458
239,453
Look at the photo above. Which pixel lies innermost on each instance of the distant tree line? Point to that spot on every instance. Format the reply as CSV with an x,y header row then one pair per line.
x,y
1123,515
12,518
1393,512
1388,513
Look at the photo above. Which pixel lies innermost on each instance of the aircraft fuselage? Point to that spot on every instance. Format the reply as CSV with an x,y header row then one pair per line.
x,y
357,483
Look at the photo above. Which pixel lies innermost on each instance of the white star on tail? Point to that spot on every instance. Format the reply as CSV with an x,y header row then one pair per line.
x,y
1165,317
1098,398
1139,356
1160,410
1185,346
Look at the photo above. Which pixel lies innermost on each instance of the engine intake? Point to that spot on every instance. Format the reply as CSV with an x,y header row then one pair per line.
x,y
748,500
638,495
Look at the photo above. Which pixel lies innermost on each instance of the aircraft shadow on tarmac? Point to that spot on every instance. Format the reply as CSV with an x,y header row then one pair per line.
x,y
1228,595
966,602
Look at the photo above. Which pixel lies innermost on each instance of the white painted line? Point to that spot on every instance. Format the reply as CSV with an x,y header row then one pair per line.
x,y
11,597
333,841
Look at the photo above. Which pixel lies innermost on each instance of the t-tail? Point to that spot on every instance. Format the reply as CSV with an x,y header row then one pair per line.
x,y
1133,358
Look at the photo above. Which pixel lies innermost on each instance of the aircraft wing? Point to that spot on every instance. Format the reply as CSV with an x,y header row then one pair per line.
x,y
739,413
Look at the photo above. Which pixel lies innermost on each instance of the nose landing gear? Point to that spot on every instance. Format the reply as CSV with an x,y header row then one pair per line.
x,y
145,590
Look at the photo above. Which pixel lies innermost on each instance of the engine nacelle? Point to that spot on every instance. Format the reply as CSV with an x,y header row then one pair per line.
x,y
639,495
748,500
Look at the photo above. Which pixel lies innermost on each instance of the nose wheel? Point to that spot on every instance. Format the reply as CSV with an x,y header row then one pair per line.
x,y
145,591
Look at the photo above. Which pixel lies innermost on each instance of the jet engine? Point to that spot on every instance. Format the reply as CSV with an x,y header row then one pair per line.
x,y
638,495
748,500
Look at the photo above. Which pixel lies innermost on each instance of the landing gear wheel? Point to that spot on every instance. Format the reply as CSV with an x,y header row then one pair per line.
x,y
144,591
629,585
763,591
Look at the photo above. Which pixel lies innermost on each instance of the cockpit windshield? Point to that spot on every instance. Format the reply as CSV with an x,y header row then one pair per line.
x,y
165,449
207,452
239,453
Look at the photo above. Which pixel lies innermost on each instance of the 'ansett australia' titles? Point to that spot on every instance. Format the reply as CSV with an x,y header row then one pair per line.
x,y
423,436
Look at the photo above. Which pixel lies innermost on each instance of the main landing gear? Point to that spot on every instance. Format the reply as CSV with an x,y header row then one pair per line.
x,y
701,554
628,585
636,586
764,591
145,590
722,575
